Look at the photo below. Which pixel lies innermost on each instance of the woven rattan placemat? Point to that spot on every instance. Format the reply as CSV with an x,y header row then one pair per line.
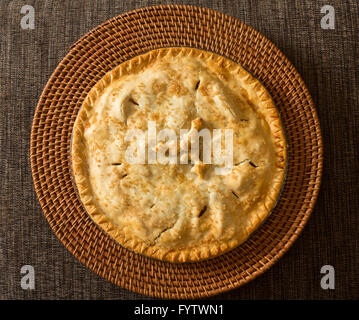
x,y
104,48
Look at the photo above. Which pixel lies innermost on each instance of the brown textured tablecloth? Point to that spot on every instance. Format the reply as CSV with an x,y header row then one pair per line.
x,y
328,63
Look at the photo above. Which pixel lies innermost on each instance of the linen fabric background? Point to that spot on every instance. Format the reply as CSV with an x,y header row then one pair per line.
x,y
327,61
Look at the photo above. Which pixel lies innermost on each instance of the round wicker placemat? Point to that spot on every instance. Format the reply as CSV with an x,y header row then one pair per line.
x,y
88,61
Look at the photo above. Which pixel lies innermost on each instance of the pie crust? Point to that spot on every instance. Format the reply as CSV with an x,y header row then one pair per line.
x,y
178,212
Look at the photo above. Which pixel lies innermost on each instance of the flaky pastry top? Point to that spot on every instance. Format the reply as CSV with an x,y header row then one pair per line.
x,y
178,212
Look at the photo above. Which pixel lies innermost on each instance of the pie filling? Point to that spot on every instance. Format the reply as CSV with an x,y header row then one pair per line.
x,y
150,150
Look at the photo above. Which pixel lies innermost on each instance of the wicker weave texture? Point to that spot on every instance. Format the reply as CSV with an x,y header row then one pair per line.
x,y
120,39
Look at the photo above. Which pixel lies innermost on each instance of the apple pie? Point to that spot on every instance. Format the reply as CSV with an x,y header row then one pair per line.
x,y
178,199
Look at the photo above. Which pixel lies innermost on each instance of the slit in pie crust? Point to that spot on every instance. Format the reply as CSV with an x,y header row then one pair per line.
x,y
178,212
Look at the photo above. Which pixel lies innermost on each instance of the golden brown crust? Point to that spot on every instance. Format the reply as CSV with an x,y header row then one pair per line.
x,y
235,204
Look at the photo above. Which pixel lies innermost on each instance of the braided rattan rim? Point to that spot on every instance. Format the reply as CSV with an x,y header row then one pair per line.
x,y
104,48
